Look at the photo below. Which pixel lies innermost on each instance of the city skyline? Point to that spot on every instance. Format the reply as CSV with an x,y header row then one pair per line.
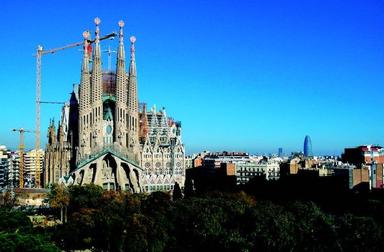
x,y
250,77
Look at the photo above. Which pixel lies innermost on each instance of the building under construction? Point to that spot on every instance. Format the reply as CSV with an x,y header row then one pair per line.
x,y
103,138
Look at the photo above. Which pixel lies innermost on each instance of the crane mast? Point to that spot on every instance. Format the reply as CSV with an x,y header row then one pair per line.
x,y
39,53
38,94
109,52
21,154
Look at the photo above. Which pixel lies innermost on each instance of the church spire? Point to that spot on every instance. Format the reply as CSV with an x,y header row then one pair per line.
x,y
121,75
96,66
84,80
121,93
132,80
132,100
132,66
96,116
87,46
121,52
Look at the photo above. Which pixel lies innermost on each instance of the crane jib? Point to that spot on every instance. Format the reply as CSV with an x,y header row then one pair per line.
x,y
113,34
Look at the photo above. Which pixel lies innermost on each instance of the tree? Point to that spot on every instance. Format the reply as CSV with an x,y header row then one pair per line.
x,y
25,242
11,221
358,233
177,192
8,199
86,196
59,198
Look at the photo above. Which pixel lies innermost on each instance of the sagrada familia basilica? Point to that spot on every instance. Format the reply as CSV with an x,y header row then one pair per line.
x,y
106,137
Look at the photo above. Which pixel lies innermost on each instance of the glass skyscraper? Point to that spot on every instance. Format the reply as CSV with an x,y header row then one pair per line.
x,y
308,147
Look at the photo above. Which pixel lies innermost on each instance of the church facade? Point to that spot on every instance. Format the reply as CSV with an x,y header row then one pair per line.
x,y
103,138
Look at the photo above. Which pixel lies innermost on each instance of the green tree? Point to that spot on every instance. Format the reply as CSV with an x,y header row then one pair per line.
x,y
267,226
357,233
13,220
86,196
79,232
14,242
212,222
58,198
316,229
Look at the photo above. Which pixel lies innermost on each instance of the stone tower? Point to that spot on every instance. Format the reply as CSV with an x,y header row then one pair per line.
x,y
96,116
121,111
85,103
133,106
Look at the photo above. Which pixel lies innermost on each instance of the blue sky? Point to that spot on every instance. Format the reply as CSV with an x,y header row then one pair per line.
x,y
240,75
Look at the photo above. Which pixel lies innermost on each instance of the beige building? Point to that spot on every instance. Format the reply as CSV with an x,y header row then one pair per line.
x,y
32,160
162,151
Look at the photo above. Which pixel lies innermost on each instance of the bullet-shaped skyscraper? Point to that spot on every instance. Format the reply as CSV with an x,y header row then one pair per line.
x,y
308,147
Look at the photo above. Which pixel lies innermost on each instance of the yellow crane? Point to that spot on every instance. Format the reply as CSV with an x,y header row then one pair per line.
x,y
21,154
39,53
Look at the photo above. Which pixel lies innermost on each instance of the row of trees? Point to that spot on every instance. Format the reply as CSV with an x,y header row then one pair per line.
x,y
120,221
17,233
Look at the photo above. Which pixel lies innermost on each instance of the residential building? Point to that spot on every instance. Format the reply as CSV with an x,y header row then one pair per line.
x,y
32,160
267,169
4,166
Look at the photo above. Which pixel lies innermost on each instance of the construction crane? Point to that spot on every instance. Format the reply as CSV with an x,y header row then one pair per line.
x,y
39,53
21,153
109,52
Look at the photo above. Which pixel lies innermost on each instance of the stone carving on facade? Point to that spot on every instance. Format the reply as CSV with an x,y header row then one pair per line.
x,y
107,171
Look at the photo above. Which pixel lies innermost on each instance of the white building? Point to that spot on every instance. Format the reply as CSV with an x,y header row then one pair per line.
x,y
9,168
4,166
13,170
246,171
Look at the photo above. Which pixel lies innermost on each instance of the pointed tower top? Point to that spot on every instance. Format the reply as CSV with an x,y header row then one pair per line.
x,y
121,36
86,35
132,67
97,20
96,52
87,51
97,32
121,52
